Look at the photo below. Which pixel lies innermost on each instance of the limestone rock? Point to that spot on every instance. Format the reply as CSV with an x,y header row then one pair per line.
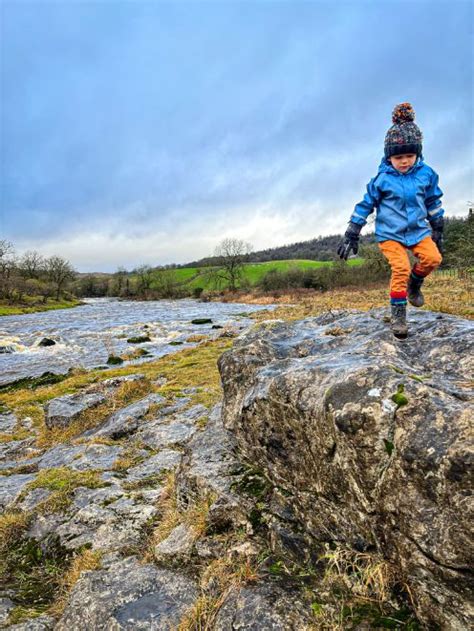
x,y
129,596
6,605
7,422
177,546
104,519
11,487
43,623
126,420
157,434
165,460
210,466
262,608
114,382
369,438
80,457
62,411
33,498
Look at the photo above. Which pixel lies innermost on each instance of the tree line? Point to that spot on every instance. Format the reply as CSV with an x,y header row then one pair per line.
x,y
36,276
32,274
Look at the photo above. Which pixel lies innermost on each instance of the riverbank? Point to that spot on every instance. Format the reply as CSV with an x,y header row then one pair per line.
x,y
442,293
7,309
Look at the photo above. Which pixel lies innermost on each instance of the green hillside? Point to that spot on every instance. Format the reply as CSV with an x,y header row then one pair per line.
x,y
191,277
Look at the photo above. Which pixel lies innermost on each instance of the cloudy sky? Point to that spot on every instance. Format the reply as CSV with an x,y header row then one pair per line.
x,y
145,132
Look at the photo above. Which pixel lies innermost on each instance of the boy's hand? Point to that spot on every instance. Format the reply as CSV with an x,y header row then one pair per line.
x,y
350,241
437,227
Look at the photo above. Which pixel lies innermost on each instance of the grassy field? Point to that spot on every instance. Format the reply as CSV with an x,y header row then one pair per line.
x,y
31,306
253,272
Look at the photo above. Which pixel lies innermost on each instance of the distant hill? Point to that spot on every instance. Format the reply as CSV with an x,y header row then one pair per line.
x,y
319,249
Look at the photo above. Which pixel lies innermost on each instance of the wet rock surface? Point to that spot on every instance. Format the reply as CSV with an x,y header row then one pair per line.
x,y
369,438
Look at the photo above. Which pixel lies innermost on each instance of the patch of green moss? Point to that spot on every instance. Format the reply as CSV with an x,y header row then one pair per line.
x,y
397,369
62,482
252,482
371,614
114,360
20,613
389,446
399,398
417,378
31,383
139,339
34,572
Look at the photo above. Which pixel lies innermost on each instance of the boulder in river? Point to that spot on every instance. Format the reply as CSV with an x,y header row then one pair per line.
x,y
46,341
201,321
369,440
7,349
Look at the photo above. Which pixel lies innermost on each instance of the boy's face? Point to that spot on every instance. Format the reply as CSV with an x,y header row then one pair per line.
x,y
403,162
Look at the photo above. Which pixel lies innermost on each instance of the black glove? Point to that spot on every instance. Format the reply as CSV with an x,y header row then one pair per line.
x,y
437,226
350,241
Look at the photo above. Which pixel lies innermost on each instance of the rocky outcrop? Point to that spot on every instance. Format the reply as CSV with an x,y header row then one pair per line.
x,y
366,441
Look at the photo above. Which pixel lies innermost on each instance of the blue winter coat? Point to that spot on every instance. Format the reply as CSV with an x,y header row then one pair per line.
x,y
405,203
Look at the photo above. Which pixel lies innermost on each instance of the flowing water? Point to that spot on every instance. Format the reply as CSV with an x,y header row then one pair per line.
x,y
87,335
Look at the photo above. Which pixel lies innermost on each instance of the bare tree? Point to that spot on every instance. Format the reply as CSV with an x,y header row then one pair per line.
x,y
118,282
145,277
31,265
231,254
7,267
59,271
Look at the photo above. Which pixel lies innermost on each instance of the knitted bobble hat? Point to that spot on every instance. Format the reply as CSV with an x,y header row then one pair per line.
x,y
404,136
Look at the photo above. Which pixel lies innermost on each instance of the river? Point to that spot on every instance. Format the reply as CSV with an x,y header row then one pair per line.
x,y
85,336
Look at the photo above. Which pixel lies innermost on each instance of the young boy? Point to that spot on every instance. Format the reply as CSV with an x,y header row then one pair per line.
x,y
407,197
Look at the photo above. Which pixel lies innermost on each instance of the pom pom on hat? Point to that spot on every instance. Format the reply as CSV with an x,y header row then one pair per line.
x,y
403,113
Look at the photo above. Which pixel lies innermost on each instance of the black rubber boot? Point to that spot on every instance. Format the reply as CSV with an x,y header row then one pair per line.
x,y
399,321
415,296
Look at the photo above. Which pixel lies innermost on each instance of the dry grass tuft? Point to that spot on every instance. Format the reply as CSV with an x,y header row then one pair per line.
x,y
367,576
84,561
171,515
219,579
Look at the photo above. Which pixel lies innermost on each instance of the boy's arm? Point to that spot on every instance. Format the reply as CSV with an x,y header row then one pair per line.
x,y
364,208
433,199
435,211
358,220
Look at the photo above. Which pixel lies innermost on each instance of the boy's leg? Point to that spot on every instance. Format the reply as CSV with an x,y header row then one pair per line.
x,y
428,255
429,258
399,262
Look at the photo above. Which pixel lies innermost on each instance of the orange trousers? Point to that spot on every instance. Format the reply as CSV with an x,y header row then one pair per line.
x,y
428,257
